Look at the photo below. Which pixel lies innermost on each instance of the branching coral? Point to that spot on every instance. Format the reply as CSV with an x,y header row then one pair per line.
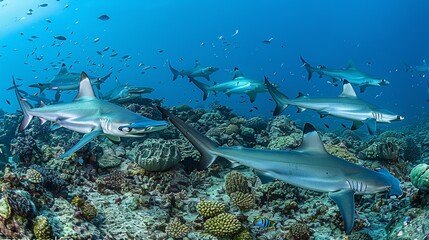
x,y
176,229
210,209
223,225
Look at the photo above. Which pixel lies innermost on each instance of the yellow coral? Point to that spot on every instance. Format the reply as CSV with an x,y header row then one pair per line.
x,y
210,209
88,210
34,176
236,182
243,235
42,229
176,229
244,201
223,225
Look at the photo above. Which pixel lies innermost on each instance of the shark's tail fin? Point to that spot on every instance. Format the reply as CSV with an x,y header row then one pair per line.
x,y
40,86
175,72
308,67
203,144
25,106
204,87
280,99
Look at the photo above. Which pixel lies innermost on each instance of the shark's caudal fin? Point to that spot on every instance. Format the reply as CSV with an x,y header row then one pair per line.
x,y
203,144
280,99
204,87
308,67
175,72
25,106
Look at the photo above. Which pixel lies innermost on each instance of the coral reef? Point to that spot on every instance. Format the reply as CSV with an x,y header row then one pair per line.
x,y
210,209
176,229
157,154
243,201
223,225
86,208
299,231
42,229
236,182
420,177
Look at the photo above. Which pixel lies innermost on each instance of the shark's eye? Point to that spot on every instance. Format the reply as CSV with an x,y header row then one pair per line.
x,y
149,128
125,129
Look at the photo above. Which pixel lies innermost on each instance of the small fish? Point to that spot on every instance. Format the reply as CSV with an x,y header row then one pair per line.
x,y
104,17
48,20
147,67
344,126
100,53
160,51
236,32
59,37
326,125
8,102
43,5
114,55
126,56
34,37
96,40
264,223
106,49
268,41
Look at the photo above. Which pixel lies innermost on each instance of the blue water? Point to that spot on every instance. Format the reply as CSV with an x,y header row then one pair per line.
x,y
383,33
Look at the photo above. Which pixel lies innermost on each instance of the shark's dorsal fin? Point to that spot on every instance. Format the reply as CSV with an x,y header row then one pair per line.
x,y
300,95
237,73
197,64
311,141
85,88
348,90
63,69
351,65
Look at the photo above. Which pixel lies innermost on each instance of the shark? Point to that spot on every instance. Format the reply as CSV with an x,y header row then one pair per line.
x,y
350,73
238,85
65,80
309,166
346,106
422,70
123,93
36,98
197,71
89,115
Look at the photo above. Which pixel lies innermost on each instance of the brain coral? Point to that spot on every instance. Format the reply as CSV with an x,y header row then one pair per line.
x,y
157,154
420,177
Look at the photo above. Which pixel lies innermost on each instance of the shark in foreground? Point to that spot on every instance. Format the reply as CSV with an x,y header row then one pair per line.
x,y
197,71
238,85
309,166
124,93
65,80
346,106
89,115
351,74
422,70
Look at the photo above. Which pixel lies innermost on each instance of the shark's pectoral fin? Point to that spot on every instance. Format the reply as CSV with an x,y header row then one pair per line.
x,y
356,125
346,203
334,80
207,77
83,141
42,121
264,177
371,124
252,96
362,89
114,139
55,126
301,109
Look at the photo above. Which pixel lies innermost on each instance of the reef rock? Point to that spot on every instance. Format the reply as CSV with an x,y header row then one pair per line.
x,y
157,154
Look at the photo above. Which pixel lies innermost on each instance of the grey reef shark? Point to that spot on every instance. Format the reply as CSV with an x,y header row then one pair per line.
x,y
309,166
346,106
422,70
239,84
197,71
65,80
123,93
90,116
351,73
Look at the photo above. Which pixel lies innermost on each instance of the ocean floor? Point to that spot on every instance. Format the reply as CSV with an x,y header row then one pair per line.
x,y
141,188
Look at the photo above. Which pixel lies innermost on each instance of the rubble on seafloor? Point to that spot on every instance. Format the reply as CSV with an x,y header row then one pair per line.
x,y
140,190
